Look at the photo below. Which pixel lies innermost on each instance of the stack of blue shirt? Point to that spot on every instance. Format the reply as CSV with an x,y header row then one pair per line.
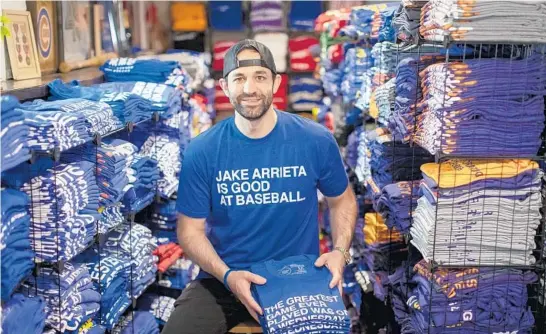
x,y
180,274
23,315
397,203
111,217
142,191
64,204
386,31
160,306
296,297
139,322
17,254
70,296
305,93
226,15
384,98
357,62
164,216
14,133
133,244
303,14
147,70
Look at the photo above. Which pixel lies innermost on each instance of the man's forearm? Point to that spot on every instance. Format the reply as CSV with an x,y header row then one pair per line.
x,y
343,214
198,248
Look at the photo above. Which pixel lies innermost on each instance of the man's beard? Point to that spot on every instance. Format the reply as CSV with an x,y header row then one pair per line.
x,y
252,113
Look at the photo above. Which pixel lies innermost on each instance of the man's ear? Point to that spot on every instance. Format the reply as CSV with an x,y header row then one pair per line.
x,y
277,83
224,85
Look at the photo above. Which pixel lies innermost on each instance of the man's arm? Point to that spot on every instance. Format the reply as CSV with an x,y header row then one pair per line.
x,y
343,214
193,239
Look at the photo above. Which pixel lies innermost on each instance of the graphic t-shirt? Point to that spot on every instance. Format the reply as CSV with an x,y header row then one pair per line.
x,y
260,195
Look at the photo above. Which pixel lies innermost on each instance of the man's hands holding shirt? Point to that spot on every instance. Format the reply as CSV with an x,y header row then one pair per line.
x,y
335,262
239,283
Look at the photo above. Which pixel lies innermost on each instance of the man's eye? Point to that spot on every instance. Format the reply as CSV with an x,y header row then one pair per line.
x,y
261,78
238,79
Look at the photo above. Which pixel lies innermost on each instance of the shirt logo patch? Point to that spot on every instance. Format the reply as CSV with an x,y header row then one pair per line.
x,y
293,269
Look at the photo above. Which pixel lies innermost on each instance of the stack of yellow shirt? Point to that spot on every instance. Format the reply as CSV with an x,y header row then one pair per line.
x,y
188,16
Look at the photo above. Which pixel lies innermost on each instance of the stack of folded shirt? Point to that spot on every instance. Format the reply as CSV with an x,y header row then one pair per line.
x,y
484,21
164,216
221,101
305,93
166,151
23,314
17,255
382,29
64,204
357,62
331,81
303,14
406,20
393,161
473,210
111,217
226,15
301,59
110,276
218,53
167,72
138,322
461,119
280,98
301,290
351,151
160,306
111,160
141,193
397,204
361,22
69,296
133,244
382,102
14,133
267,16
363,170
168,254
473,300
180,274
188,16
278,44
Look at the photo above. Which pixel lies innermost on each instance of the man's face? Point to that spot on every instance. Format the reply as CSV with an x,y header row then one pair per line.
x,y
250,89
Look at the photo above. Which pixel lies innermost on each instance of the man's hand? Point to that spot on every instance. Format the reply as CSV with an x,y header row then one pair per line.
x,y
335,262
239,283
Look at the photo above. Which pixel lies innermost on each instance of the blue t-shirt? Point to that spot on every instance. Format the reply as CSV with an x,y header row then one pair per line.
x,y
260,195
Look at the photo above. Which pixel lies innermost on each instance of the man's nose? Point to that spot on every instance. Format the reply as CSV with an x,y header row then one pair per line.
x,y
249,87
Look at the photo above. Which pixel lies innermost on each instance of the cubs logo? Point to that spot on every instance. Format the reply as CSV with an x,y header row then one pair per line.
x,y
44,33
293,269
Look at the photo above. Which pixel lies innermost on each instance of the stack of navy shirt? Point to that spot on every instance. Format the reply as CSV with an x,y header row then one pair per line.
x,y
180,274
160,306
397,203
297,297
110,276
17,254
14,133
139,322
305,93
465,102
357,62
473,300
142,191
70,296
64,204
164,216
303,14
23,314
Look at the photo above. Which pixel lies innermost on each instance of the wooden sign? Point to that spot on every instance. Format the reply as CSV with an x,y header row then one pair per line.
x,y
44,18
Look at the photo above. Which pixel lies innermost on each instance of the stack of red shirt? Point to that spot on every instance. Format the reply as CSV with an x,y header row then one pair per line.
x,y
301,59
280,98
168,254
219,51
221,101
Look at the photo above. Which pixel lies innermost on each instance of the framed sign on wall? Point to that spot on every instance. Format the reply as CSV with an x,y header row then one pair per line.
x,y
44,18
75,30
22,49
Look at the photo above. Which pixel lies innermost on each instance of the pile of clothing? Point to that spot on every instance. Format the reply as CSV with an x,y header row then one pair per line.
x,y
142,191
459,119
484,21
305,93
267,16
160,307
167,254
70,298
23,314
221,101
110,217
17,255
180,274
382,30
64,200
226,15
164,216
477,300
303,14
189,16
131,101
320,309
382,102
301,59
407,19
363,170
277,42
14,134
357,62
473,210
168,72
383,246
110,276
393,161
219,51
138,322
133,244
397,203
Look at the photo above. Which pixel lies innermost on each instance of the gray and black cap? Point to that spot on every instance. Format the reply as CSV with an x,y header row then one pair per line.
x,y
266,58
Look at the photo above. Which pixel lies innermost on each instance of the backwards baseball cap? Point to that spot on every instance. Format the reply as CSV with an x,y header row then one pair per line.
x,y
266,58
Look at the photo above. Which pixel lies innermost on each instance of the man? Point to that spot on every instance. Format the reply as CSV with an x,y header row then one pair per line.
x,y
255,176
